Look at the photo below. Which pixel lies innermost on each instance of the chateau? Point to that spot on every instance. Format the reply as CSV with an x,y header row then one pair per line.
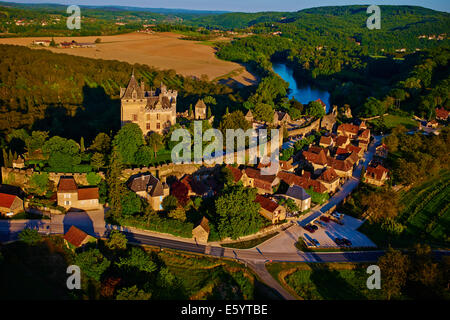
x,y
151,110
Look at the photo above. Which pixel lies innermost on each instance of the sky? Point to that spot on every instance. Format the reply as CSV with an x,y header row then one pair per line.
x,y
246,5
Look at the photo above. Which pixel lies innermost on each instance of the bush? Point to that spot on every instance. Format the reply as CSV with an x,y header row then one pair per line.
x,y
39,183
158,224
30,236
93,178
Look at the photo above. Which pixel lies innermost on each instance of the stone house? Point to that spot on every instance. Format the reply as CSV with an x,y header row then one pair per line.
x,y
200,110
149,188
376,175
76,238
200,232
10,204
263,183
69,195
330,179
270,209
442,114
301,198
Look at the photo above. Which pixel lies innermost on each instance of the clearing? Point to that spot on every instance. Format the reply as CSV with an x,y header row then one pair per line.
x,y
161,50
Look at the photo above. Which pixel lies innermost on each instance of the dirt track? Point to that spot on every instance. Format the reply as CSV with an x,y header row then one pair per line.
x,y
161,50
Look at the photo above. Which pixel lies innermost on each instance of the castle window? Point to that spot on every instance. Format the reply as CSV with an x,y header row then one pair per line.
x,y
148,117
148,126
157,116
158,126
135,117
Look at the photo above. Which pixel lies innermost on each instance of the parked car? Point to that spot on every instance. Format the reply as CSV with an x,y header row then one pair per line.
x,y
337,215
343,242
324,219
314,227
309,228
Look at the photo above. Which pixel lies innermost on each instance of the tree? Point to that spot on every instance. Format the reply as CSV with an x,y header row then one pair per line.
x,y
52,43
82,148
62,153
381,205
101,143
93,178
116,241
92,263
209,100
132,293
234,120
97,161
116,187
155,141
394,267
237,212
128,141
208,113
178,214
169,203
98,40
264,112
30,236
131,203
144,156
139,260
424,271
39,183
315,109
226,176
180,191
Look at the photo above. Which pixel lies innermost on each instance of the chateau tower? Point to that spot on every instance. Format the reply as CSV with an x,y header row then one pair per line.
x,y
151,110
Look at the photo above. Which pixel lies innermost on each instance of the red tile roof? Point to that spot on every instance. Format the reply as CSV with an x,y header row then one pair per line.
x,y
6,200
352,148
329,175
67,184
365,134
442,113
286,165
341,151
289,178
325,140
237,174
348,127
315,158
266,203
341,140
376,172
257,176
87,193
75,236
341,165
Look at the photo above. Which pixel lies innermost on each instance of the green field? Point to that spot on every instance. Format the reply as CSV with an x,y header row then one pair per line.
x,y
392,121
327,281
425,214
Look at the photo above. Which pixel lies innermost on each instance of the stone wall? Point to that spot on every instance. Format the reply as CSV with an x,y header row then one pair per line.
x,y
303,131
20,177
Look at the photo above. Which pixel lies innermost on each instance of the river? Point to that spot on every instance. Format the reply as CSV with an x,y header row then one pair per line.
x,y
302,92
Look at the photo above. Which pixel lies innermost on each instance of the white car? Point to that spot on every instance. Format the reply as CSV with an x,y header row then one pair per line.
x,y
337,215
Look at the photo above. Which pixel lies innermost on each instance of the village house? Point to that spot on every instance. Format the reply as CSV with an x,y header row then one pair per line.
x,y
249,116
381,151
317,158
301,198
237,174
344,168
153,110
263,183
69,195
330,179
149,188
304,181
200,110
326,141
376,175
200,232
76,238
270,209
281,118
10,204
442,114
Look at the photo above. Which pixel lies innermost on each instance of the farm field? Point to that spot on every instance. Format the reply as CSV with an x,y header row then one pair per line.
x,y
162,50
327,281
425,214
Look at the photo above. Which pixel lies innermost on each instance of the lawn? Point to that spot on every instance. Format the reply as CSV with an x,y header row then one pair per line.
x,y
392,121
425,214
325,281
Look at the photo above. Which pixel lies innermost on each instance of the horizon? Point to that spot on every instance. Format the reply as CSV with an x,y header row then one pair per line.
x,y
250,6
